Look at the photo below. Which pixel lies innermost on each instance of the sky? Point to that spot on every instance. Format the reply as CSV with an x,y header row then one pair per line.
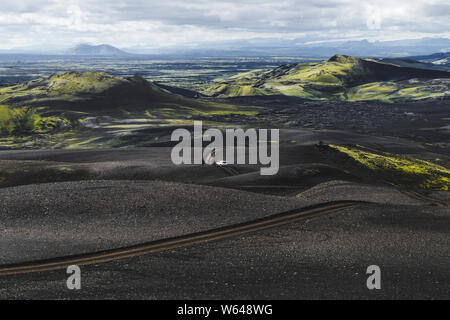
x,y
155,24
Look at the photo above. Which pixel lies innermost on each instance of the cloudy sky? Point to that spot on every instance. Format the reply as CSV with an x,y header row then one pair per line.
x,y
161,23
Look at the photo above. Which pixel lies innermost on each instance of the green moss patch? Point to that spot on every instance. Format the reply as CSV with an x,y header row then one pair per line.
x,y
401,170
26,120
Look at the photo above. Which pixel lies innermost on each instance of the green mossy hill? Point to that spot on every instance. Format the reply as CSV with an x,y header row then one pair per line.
x,y
59,86
333,79
98,93
69,101
78,86
74,83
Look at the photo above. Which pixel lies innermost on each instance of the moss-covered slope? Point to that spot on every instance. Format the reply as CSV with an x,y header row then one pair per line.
x,y
86,91
70,104
339,78
101,93
400,170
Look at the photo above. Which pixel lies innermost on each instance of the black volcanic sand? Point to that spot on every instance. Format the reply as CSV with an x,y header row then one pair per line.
x,y
421,121
51,220
303,164
57,219
322,258
345,190
62,202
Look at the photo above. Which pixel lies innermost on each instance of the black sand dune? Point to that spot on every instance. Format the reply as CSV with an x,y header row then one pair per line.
x,y
51,220
121,197
295,177
323,258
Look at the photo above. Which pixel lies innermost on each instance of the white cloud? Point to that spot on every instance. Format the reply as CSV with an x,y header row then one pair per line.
x,y
151,23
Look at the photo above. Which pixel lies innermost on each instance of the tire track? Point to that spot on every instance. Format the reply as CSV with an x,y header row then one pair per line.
x,y
424,198
177,242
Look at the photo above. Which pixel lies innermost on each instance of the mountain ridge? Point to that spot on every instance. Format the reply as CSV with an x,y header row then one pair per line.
x,y
339,78
85,49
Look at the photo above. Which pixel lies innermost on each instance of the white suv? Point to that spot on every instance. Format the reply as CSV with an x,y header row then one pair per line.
x,y
221,163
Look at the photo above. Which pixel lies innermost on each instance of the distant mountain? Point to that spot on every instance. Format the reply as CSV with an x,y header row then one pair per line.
x,y
257,47
339,78
310,48
434,56
410,63
99,50
439,59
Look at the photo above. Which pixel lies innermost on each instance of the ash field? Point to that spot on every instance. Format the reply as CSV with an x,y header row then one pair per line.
x,y
86,176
